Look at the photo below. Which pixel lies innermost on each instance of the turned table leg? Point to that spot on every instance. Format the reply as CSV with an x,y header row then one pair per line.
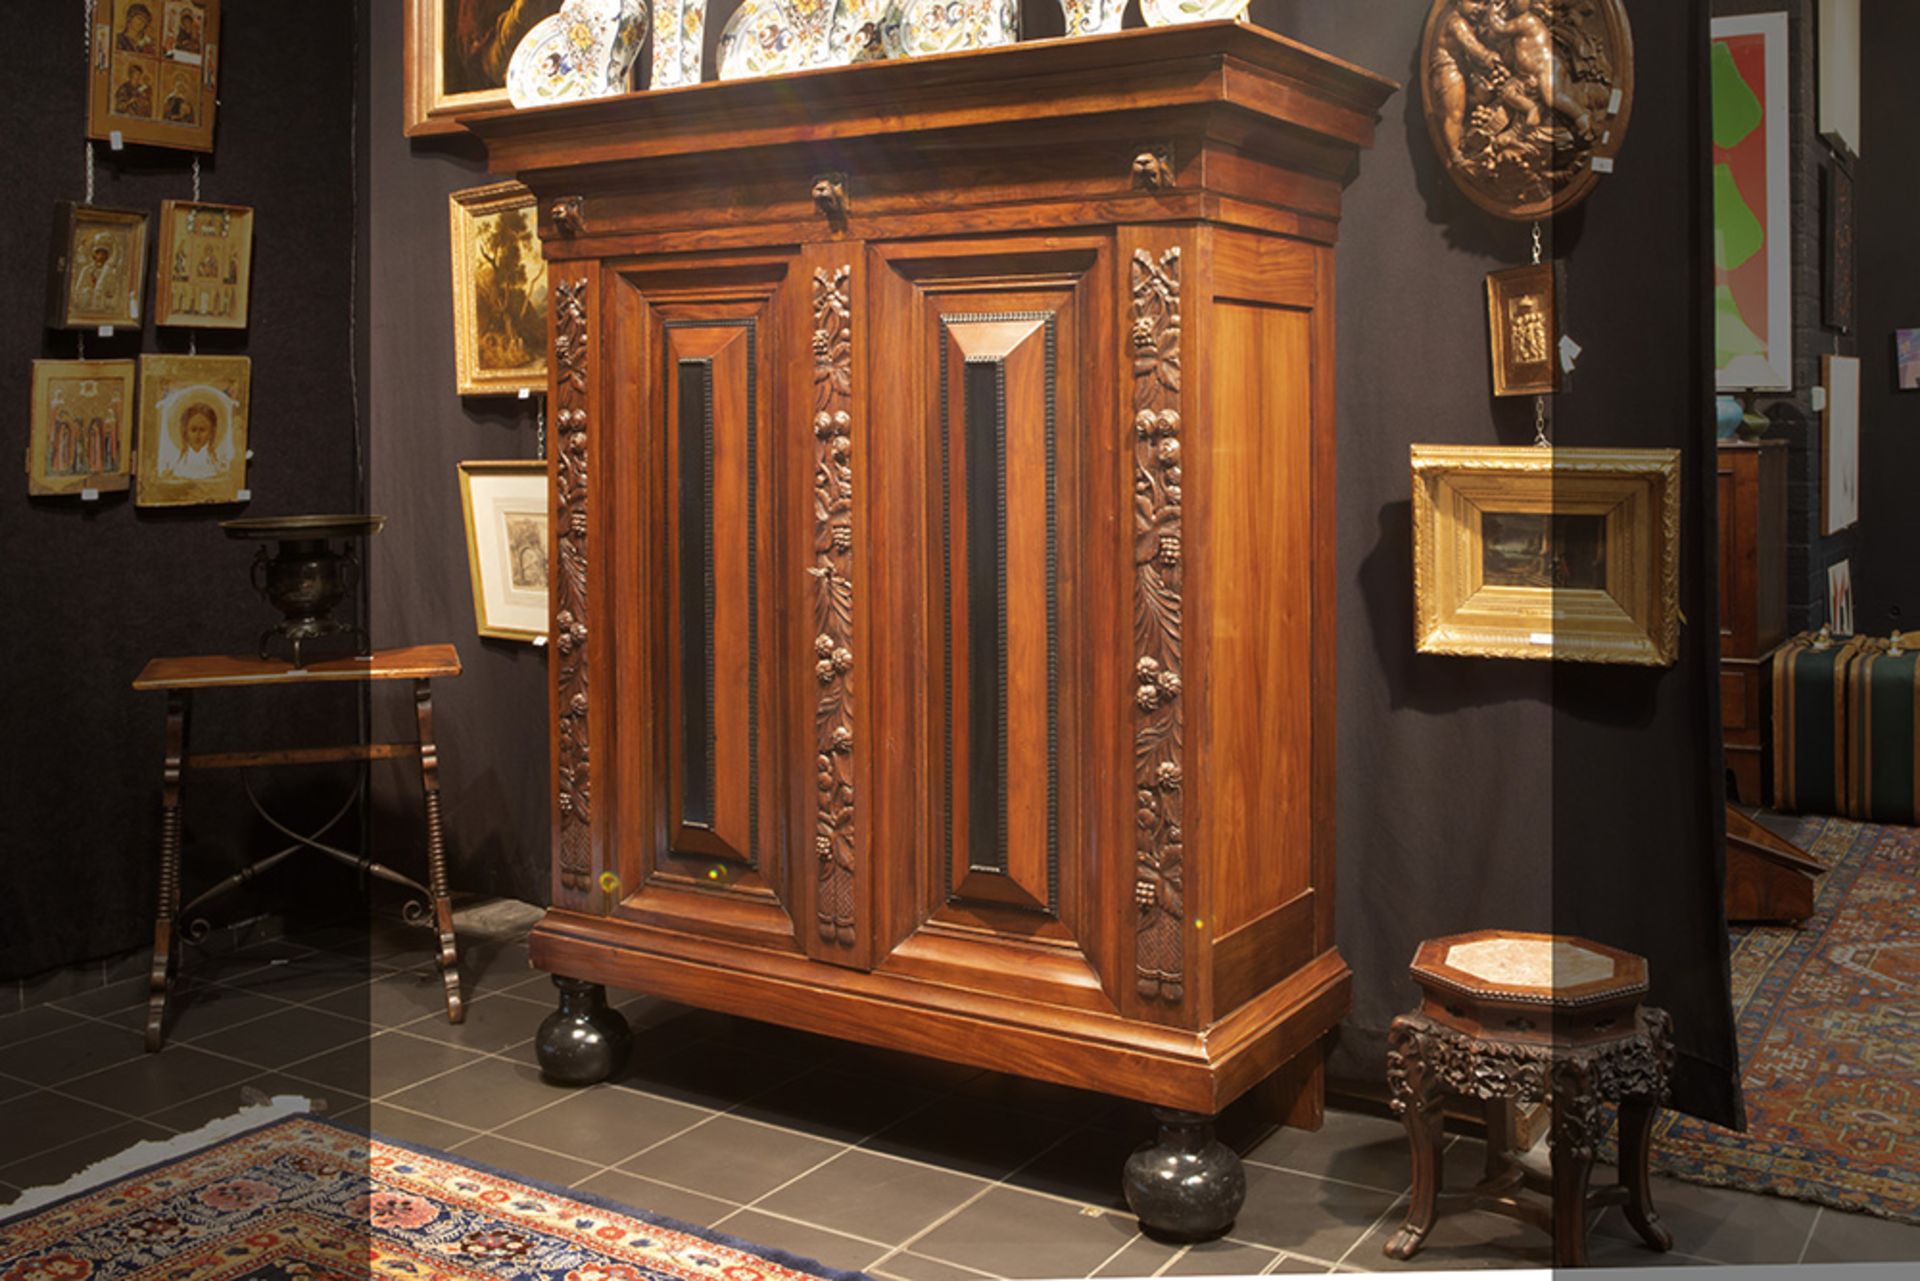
x,y
1636,1153
168,897
583,1041
1186,1185
1417,1099
437,850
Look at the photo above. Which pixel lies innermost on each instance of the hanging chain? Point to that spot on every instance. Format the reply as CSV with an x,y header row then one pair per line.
x,y
1537,251
540,429
196,198
1540,436
86,47
81,337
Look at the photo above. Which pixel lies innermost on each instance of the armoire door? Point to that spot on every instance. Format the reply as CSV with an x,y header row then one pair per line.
x,y
704,593
994,497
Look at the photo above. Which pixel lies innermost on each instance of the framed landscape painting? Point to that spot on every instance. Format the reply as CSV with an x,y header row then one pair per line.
x,y
505,505
82,426
1564,554
499,292
456,57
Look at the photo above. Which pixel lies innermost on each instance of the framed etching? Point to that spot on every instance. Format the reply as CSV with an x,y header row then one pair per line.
x,y
99,265
505,504
1752,205
1840,598
499,292
82,425
1544,553
1906,359
1523,326
456,56
206,265
153,68
193,430
1840,444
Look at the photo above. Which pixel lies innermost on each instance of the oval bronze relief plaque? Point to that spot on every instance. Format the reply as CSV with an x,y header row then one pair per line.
x,y
1527,101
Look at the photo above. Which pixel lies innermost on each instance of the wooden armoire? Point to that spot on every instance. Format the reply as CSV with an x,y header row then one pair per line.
x,y
943,510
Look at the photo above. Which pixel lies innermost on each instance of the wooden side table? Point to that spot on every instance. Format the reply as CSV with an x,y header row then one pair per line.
x,y
180,678
1531,1018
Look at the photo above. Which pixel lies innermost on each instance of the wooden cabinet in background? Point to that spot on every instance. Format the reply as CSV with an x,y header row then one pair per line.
x,y
1753,603
943,637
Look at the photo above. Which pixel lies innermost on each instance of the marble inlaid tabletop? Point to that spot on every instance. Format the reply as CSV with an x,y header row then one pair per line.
x,y
1546,964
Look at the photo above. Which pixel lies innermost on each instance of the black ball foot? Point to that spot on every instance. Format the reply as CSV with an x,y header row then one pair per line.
x,y
583,1041
1186,1185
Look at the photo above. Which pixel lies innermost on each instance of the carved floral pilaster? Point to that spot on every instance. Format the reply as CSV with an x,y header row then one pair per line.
x,y
1159,892
832,572
573,797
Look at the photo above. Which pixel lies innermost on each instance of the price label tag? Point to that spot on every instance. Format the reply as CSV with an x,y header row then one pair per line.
x,y
89,495
539,642
1569,352
244,496
1613,103
1541,638
526,393
115,141
1819,399
1602,164
249,455
106,331
133,304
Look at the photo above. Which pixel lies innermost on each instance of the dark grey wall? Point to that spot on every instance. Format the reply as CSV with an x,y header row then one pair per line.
x,y
94,590
1886,567
1522,795
492,721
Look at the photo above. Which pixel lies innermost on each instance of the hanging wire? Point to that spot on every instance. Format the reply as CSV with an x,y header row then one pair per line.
x,y
196,199
86,52
540,428
1540,436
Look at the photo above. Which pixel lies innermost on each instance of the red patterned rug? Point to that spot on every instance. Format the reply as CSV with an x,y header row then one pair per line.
x,y
1829,1030
306,1199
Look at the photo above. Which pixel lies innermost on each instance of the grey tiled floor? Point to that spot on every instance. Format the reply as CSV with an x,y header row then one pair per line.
x,y
909,1169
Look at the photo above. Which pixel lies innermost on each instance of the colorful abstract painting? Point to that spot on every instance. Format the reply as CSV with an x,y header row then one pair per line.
x,y
1906,358
1752,236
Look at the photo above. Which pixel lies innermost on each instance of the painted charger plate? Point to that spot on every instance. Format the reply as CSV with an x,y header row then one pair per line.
x,y
946,26
583,51
1167,13
771,37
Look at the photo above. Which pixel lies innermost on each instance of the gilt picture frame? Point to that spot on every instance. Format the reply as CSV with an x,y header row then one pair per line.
x,y
194,437
456,54
154,72
499,291
98,271
81,433
1571,555
1523,329
505,507
205,265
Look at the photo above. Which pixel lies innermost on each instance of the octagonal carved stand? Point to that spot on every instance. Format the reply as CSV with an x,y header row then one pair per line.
x,y
1531,1018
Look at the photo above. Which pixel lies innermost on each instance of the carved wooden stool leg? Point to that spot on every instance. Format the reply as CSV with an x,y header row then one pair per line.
x,y
437,851
168,897
1417,1100
1576,1120
1499,1116
1636,1153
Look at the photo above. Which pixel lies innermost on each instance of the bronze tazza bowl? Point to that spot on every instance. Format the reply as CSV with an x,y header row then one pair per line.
x,y
305,577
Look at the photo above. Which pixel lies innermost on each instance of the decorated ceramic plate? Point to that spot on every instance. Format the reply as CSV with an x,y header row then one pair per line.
x,y
1091,17
945,26
865,30
770,37
583,51
1166,13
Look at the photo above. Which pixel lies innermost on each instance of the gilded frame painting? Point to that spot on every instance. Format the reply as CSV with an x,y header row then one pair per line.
x,y
99,267
1544,553
193,430
508,548
456,54
205,265
154,72
499,291
81,435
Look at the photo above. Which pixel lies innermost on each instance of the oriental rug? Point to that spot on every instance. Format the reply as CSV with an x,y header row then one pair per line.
x,y
309,1199
1828,1020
